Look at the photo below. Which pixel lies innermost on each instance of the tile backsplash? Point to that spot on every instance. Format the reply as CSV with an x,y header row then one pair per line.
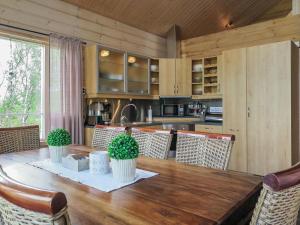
x,y
143,105
156,104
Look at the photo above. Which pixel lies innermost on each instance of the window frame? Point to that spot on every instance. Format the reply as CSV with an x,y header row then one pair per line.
x,y
42,40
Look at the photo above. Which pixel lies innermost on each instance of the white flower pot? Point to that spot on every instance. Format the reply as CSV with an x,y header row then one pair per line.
x,y
123,170
56,153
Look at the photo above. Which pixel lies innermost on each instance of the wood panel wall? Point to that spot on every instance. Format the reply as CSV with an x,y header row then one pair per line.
x,y
286,28
66,19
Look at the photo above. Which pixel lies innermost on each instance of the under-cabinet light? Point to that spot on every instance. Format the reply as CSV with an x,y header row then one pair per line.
x,y
104,53
131,59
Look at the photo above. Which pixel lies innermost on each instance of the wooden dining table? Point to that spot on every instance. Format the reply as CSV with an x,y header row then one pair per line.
x,y
180,194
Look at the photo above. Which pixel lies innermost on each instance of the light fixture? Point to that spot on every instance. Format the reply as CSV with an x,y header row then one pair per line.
x,y
131,59
104,53
229,25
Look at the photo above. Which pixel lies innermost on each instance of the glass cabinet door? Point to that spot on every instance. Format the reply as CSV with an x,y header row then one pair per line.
x,y
137,75
111,72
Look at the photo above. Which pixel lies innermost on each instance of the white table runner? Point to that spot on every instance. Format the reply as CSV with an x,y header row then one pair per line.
x,y
101,182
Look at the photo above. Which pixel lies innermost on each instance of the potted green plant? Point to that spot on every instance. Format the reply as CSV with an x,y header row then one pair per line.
x,y
123,152
57,141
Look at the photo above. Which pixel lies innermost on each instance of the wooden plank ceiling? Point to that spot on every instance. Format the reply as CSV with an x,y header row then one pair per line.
x,y
194,17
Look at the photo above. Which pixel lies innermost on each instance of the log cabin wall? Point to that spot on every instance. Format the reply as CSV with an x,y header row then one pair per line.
x,y
66,19
286,28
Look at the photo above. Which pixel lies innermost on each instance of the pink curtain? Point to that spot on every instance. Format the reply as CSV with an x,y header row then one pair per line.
x,y
65,91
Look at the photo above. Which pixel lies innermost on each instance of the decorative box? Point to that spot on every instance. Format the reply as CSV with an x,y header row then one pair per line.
x,y
76,162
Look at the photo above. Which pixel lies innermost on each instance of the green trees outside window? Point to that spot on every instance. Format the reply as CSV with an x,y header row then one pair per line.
x,y
21,75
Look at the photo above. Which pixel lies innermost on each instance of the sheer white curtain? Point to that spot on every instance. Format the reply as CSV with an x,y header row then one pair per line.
x,y
65,92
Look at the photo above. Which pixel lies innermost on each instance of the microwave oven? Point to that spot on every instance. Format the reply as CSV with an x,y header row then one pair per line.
x,y
172,110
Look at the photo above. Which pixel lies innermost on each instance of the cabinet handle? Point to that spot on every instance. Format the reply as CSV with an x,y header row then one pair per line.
x,y
174,89
177,88
248,112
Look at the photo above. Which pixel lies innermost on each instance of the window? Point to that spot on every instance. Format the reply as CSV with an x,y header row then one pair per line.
x,y
22,76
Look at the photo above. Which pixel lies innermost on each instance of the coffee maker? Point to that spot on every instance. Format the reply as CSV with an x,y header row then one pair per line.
x,y
98,113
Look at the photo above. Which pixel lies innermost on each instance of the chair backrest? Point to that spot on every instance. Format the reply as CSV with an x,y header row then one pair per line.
x,y
279,200
153,143
103,135
204,149
17,139
21,204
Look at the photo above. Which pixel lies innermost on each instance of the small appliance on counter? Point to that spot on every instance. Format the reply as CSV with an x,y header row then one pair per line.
x,y
98,113
214,114
172,110
196,109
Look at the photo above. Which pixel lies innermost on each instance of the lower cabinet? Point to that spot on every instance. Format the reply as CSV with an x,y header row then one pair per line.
x,y
208,128
88,136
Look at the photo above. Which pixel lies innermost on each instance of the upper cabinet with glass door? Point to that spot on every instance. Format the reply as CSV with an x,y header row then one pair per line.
x,y
111,71
137,74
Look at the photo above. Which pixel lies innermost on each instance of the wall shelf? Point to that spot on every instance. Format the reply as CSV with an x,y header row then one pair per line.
x,y
206,80
154,74
211,75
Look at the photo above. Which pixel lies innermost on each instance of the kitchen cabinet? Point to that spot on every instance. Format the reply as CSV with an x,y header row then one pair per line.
x,y
211,84
175,77
154,78
235,105
167,77
137,74
261,106
183,77
109,71
88,135
104,70
269,105
208,128
207,77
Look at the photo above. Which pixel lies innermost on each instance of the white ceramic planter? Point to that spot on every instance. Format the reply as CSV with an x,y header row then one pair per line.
x,y
123,170
56,153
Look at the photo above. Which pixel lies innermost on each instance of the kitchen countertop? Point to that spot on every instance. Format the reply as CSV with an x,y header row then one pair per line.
x,y
154,123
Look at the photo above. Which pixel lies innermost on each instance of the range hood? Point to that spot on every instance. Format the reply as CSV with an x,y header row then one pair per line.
x,y
173,42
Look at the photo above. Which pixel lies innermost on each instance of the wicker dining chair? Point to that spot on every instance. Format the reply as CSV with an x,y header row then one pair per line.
x,y
21,204
153,143
142,138
17,139
103,135
190,148
279,200
204,149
